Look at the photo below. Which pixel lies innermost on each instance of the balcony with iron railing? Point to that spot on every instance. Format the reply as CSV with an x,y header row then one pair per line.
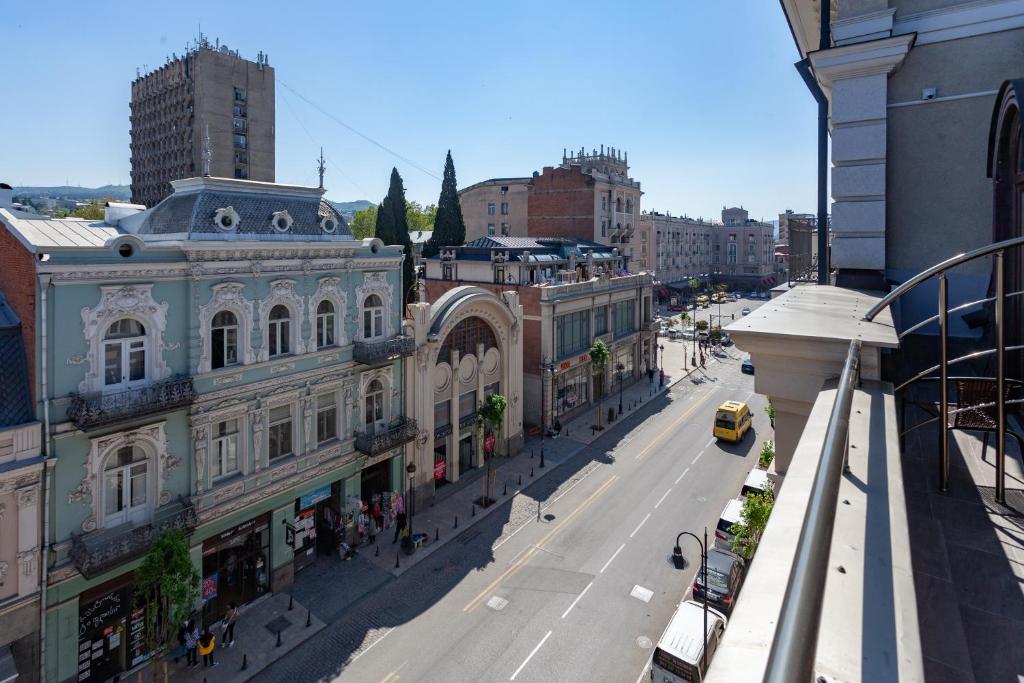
x,y
99,551
893,548
383,351
97,410
401,431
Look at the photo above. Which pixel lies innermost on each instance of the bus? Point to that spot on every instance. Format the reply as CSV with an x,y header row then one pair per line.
x,y
678,657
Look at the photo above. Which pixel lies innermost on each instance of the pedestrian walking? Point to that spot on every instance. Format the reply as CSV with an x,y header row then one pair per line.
x,y
206,646
230,617
650,375
191,643
400,521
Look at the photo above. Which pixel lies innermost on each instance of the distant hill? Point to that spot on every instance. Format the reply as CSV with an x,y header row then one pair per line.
x,y
348,209
121,192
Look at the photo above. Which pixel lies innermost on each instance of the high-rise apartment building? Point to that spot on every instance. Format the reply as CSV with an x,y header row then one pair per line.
x,y
212,91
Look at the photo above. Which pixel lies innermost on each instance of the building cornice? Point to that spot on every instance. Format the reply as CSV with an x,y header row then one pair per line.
x,y
962,21
870,58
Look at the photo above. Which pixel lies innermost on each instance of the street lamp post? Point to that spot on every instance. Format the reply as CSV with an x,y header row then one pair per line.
x,y
619,368
661,374
410,504
677,554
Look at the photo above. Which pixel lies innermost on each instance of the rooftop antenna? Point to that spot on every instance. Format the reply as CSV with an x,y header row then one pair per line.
x,y
207,154
320,167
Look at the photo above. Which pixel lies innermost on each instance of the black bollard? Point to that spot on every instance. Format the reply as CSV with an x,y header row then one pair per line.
x,y
376,552
542,459
309,619
474,510
291,602
397,555
278,639
456,522
538,510
504,491
520,479
531,454
531,471
437,533
245,662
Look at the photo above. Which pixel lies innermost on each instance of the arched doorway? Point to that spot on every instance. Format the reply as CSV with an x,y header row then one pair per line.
x,y
1006,168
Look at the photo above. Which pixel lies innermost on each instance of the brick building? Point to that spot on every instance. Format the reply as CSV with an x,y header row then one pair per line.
x,y
209,90
572,293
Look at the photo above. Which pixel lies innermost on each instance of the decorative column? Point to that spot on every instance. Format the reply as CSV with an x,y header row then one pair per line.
x,y
28,539
256,424
478,455
453,457
200,440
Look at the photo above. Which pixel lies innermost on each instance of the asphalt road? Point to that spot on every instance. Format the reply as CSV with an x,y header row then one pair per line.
x,y
585,592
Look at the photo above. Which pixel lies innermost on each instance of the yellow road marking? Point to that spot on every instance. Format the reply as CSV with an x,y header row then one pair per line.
x,y
472,604
666,431
390,678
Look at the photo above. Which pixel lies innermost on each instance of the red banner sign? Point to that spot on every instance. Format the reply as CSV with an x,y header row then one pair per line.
x,y
440,469
489,442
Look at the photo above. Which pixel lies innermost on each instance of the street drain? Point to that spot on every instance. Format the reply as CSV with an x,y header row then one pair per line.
x,y
642,594
277,625
497,604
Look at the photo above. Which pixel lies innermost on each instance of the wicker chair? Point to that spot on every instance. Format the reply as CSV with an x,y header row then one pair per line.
x,y
975,401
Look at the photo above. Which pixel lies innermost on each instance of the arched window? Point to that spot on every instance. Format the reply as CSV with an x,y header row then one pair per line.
x,y
373,417
124,353
373,317
126,487
618,203
465,337
279,331
224,338
324,324
629,206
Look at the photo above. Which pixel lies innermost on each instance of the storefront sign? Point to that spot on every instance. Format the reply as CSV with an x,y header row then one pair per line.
x,y
440,469
489,442
569,362
210,584
314,497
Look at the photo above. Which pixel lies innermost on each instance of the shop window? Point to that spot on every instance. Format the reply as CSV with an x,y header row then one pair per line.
x,y
126,487
571,389
279,442
467,404
124,353
224,332
324,324
326,418
442,414
279,331
225,449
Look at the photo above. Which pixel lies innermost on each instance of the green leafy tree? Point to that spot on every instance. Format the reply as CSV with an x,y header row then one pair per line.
x,y
599,355
684,318
490,415
168,584
449,226
420,218
769,408
393,228
93,211
757,508
764,459
364,223
702,325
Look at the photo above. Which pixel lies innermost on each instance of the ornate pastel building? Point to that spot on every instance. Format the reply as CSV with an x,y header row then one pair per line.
x,y
228,363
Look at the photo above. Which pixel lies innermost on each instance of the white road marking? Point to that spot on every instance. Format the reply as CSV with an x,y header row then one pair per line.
x,y
640,525
710,442
641,593
662,499
697,458
680,477
386,634
555,500
566,612
612,558
532,653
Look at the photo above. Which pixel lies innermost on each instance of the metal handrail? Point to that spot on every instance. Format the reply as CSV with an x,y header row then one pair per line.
x,y
938,269
793,648
955,309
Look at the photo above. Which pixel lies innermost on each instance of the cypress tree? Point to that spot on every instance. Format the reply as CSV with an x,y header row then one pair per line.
x,y
449,226
393,228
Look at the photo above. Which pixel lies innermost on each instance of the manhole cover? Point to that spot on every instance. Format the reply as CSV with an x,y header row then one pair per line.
x,y
642,594
277,625
497,604
644,642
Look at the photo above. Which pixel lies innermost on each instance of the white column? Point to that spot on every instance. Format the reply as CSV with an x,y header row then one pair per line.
x,y
453,455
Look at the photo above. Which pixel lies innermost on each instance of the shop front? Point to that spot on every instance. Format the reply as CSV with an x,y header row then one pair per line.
x,y
380,501
570,388
319,523
236,567
111,631
624,356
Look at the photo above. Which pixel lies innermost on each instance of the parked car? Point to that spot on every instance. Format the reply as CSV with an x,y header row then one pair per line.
x,y
674,333
732,514
679,654
756,482
748,366
745,311
725,576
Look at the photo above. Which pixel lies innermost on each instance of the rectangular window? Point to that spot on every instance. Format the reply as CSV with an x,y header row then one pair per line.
x,y
239,110
239,124
442,414
490,208
624,317
490,228
492,389
604,228
225,449
326,418
239,94
504,208
467,404
571,389
240,141
600,321
279,440
572,333
504,229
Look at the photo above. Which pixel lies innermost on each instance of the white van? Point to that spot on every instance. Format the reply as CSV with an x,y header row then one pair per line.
x,y
678,657
756,482
732,514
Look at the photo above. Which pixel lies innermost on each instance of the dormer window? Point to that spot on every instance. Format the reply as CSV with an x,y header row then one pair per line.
x,y
226,219
281,221
329,224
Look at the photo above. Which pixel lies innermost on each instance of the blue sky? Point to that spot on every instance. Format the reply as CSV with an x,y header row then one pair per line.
x,y
703,96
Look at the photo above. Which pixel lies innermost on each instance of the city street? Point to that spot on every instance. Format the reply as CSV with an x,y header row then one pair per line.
x,y
583,592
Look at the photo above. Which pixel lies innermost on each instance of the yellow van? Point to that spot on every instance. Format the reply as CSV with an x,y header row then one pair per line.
x,y
732,421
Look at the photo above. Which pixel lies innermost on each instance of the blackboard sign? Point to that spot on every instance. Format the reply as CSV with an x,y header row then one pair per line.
x,y
137,650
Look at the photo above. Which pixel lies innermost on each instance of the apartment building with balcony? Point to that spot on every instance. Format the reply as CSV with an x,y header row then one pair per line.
x,y
893,549
228,363
571,292
209,92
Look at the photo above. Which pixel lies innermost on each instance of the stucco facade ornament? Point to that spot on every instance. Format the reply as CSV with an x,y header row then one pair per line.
x,y
200,441
76,360
226,296
151,440
89,524
128,301
307,422
3,511
330,288
226,219
83,491
27,561
281,221
375,283
256,420
28,497
282,292
3,573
